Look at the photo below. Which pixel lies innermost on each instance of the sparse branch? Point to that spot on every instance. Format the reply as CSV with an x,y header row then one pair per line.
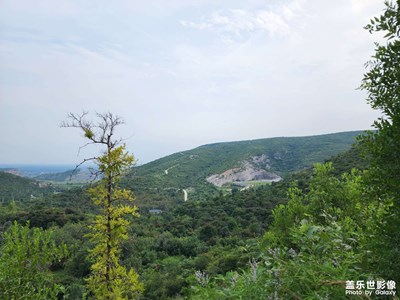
x,y
80,164
84,161
83,146
100,133
77,121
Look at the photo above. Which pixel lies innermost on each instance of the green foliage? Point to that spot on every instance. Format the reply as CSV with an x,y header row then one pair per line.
x,y
346,161
321,258
183,232
317,241
16,188
25,259
382,148
88,133
166,278
234,285
382,82
109,279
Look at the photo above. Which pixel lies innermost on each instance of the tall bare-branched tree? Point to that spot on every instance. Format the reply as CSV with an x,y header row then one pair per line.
x,y
108,279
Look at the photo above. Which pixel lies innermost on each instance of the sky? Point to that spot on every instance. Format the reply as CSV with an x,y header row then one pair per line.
x,y
181,73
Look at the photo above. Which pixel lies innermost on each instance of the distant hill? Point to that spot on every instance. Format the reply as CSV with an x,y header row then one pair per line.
x,y
70,176
13,187
33,170
205,169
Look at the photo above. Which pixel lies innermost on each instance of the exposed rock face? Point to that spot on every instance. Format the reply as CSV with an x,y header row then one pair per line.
x,y
261,161
248,172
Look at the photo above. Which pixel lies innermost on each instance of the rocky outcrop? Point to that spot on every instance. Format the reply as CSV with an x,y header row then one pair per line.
x,y
248,172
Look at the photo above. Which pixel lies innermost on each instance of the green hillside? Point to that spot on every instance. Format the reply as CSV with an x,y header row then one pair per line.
x,y
13,187
189,169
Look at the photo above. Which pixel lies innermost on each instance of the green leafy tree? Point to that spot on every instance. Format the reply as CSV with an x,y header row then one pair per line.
x,y
109,279
382,82
316,242
382,147
25,258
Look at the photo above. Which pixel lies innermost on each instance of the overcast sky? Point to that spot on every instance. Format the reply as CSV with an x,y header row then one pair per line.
x,y
182,73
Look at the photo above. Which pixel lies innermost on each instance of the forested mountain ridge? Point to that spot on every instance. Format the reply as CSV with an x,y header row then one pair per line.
x,y
192,170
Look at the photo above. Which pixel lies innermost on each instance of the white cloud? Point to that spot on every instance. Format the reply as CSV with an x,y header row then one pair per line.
x,y
276,21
